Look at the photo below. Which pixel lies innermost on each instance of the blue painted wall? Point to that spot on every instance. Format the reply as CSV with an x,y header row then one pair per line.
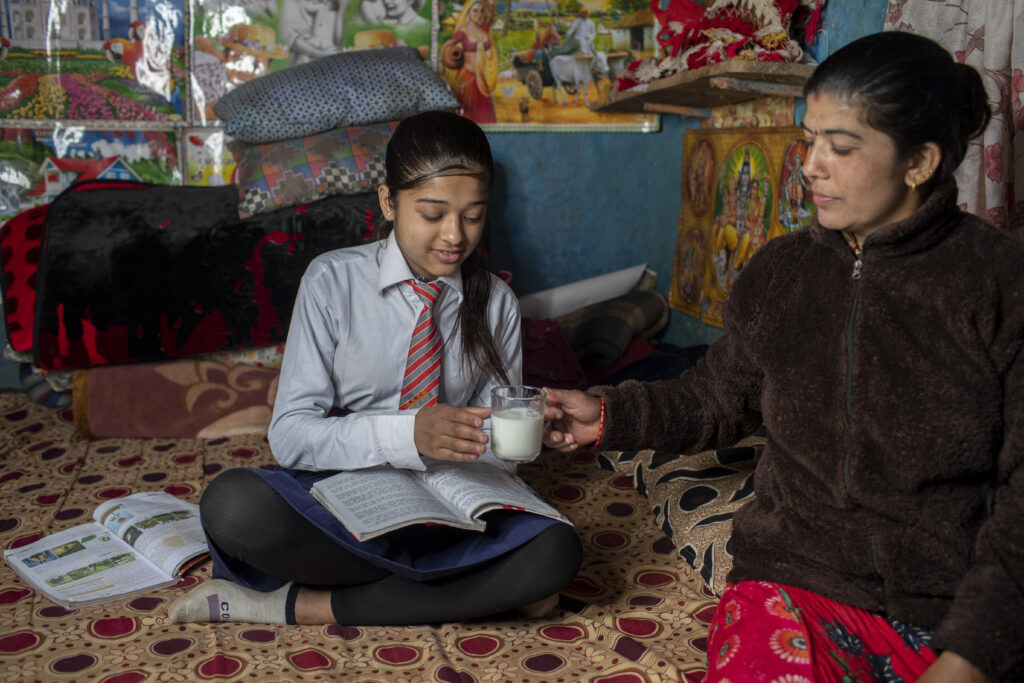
x,y
569,206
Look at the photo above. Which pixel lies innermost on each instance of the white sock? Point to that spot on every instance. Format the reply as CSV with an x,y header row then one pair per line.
x,y
220,600
541,608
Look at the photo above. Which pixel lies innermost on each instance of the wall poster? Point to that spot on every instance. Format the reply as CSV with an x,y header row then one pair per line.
x,y
741,188
36,164
235,41
95,61
543,65
88,85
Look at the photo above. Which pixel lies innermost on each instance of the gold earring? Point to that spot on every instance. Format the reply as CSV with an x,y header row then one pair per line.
x,y
913,186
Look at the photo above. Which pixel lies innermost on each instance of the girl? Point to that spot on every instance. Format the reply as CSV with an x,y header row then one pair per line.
x,y
352,395
882,349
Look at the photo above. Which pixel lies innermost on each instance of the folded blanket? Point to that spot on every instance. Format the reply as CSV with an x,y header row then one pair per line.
x,y
599,333
186,398
19,259
548,360
665,361
135,273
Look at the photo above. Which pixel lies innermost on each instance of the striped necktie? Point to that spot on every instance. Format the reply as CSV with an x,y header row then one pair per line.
x,y
423,367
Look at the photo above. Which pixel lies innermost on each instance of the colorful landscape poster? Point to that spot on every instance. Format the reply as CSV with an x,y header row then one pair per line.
x,y
543,64
741,188
36,165
97,61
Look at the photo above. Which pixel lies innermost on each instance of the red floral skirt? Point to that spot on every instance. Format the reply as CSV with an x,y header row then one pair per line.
x,y
780,634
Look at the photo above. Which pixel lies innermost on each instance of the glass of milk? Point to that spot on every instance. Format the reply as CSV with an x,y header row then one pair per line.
x,y
517,422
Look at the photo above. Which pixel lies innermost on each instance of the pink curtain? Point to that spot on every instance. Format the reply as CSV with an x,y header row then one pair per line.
x,y
981,33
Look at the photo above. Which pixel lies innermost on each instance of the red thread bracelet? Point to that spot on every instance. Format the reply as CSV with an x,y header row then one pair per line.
x,y
600,428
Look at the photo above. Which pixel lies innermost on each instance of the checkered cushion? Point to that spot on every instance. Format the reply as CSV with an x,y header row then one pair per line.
x,y
297,171
351,88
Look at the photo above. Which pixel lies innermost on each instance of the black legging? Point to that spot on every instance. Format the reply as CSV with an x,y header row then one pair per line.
x,y
250,521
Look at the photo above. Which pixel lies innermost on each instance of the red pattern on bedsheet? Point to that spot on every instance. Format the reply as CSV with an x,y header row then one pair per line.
x,y
635,613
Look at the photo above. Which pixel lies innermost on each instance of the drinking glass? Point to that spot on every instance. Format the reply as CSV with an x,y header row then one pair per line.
x,y
517,422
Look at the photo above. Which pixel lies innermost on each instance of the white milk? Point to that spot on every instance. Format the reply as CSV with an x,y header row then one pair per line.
x,y
517,433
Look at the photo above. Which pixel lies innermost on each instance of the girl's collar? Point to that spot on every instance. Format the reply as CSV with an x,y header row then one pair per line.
x,y
394,269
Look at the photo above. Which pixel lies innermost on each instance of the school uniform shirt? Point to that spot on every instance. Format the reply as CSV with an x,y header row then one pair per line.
x,y
347,347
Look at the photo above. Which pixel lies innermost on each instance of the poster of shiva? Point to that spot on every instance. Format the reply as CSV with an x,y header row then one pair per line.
x,y
741,188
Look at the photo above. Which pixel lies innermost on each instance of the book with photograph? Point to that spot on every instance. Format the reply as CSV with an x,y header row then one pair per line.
x,y
136,544
374,501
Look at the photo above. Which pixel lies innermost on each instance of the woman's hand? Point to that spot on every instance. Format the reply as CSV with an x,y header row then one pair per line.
x,y
575,419
952,668
445,432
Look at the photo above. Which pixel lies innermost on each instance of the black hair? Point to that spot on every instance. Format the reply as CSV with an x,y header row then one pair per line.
x,y
911,89
440,143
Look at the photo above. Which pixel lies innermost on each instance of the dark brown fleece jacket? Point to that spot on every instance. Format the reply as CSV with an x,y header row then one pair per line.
x,y
893,403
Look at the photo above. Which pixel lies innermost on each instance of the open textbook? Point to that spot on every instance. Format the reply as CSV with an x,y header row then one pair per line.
x,y
377,500
136,544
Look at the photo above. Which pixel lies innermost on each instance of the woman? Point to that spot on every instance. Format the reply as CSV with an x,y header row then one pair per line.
x,y
473,75
882,350
359,388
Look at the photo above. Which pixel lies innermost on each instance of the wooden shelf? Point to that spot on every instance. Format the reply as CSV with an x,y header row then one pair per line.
x,y
693,92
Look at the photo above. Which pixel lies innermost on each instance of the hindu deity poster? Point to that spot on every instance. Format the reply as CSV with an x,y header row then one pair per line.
x,y
543,65
741,188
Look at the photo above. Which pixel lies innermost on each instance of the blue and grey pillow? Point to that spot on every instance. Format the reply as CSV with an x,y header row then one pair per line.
x,y
350,88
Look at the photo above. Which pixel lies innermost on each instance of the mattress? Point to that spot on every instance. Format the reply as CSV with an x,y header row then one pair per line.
x,y
635,612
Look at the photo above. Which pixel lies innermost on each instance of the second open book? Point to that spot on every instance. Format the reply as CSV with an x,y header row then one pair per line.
x,y
377,500
135,545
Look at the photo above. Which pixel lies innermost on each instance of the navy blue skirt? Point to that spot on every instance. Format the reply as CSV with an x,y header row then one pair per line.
x,y
420,552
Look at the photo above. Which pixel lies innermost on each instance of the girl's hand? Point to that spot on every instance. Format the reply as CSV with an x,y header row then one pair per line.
x,y
575,419
952,668
445,432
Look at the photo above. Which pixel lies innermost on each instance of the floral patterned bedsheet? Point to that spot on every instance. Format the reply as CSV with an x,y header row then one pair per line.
x,y
634,613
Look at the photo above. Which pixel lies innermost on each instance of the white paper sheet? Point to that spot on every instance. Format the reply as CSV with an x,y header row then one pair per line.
x,y
557,301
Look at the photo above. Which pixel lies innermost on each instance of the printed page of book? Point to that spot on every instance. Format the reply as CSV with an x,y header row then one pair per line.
x,y
162,527
477,487
374,501
84,565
